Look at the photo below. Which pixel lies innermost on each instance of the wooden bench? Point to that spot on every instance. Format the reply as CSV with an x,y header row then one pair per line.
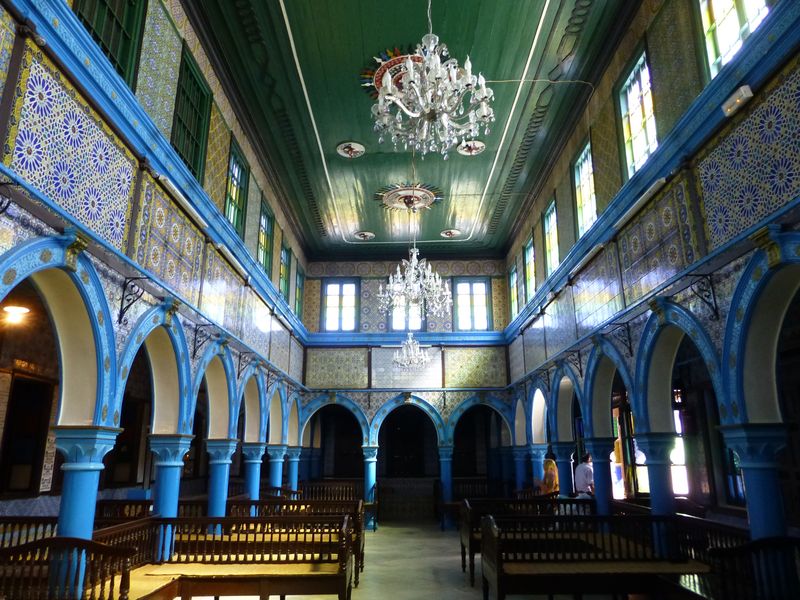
x,y
580,554
15,531
342,489
473,510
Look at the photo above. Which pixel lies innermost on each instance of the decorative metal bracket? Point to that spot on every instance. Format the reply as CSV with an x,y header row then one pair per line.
x,y
544,376
172,305
201,336
622,333
131,294
5,201
574,358
703,289
242,364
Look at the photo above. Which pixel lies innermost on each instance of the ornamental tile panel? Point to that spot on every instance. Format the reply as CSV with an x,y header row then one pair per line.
x,y
500,309
167,243
516,359
342,368
312,293
445,268
279,345
658,243
371,319
597,291
559,319
222,289
385,374
752,168
534,346
159,67
256,322
475,367
59,144
219,145
296,360
605,155
7,35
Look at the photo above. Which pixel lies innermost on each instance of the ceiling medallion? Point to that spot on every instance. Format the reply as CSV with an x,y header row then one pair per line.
x,y
350,150
422,99
364,236
471,147
407,196
450,233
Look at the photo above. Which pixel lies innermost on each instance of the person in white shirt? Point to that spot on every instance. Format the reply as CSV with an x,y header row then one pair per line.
x,y
584,475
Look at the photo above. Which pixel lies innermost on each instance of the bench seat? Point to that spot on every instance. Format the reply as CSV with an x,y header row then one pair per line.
x,y
605,567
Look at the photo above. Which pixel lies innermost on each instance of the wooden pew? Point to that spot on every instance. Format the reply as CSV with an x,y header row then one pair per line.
x,y
580,554
473,510
341,489
15,531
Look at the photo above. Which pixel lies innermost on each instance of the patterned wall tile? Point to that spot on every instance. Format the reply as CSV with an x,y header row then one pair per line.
x,y
659,242
217,154
7,35
279,345
166,242
445,268
475,367
516,359
296,360
597,291
753,168
159,67
221,292
337,368
371,319
499,303
61,146
605,156
256,321
534,346
559,319
386,375
312,295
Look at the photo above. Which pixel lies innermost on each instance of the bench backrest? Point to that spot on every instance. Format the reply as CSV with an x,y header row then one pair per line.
x,y
278,507
15,531
474,509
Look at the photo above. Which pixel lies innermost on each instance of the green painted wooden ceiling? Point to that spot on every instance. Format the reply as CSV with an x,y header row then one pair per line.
x,y
294,67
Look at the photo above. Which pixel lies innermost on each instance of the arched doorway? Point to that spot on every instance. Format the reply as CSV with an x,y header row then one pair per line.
x,y
340,443
481,441
408,465
195,463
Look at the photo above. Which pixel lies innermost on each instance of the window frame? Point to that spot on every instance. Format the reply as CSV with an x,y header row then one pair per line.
x,y
129,68
487,281
708,66
284,283
575,187
341,281
266,250
529,269
189,67
236,153
299,289
513,297
547,250
423,327
640,55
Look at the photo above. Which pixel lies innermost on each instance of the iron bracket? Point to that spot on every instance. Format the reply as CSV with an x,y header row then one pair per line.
x,y
574,358
201,336
131,294
703,289
622,333
242,364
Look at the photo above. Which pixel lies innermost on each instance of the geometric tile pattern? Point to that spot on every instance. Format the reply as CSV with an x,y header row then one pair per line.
x,y
475,367
311,304
7,35
159,67
659,242
166,242
256,321
336,368
219,144
382,269
371,319
597,291
279,345
516,359
499,303
59,144
385,373
605,156
221,291
559,319
296,360
754,167
533,345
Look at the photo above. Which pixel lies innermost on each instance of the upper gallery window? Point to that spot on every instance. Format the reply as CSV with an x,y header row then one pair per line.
x,y
472,304
585,203
726,24
551,258
191,118
340,304
117,26
530,275
265,225
236,196
638,120
299,285
512,291
286,268
405,319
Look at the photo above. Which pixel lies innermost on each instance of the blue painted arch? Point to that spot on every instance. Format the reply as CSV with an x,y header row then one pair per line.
x,y
602,350
412,400
225,405
252,373
501,408
308,411
558,427
537,423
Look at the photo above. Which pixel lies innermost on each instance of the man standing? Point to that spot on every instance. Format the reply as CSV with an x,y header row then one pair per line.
x,y
584,475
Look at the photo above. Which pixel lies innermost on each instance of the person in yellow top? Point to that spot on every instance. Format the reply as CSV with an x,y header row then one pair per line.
x,y
550,482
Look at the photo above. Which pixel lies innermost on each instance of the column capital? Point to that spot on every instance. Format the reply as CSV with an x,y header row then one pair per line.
x,y
599,448
253,452
563,450
445,453
169,449
656,446
293,452
370,452
276,452
220,451
520,452
537,451
757,444
84,447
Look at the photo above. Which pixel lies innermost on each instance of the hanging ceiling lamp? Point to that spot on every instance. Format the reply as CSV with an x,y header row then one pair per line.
x,y
410,356
422,99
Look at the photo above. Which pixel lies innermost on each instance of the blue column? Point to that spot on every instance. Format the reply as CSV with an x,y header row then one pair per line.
x,y
219,469
316,463
657,448
370,480
276,454
520,454
305,464
757,446
169,451
506,466
252,453
446,477
83,449
536,453
566,479
293,453
600,449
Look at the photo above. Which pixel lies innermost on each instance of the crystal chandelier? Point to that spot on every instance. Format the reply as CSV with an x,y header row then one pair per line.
x,y
411,355
421,105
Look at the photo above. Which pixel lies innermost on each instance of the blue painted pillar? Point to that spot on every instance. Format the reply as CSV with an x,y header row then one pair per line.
x,y
657,448
169,451
506,466
276,455
253,453
537,453
566,479
293,454
305,464
757,446
520,454
370,480
316,463
219,469
446,477
600,449
83,450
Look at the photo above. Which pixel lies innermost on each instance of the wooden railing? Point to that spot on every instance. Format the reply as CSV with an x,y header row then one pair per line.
x,y
140,535
764,569
695,536
15,531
